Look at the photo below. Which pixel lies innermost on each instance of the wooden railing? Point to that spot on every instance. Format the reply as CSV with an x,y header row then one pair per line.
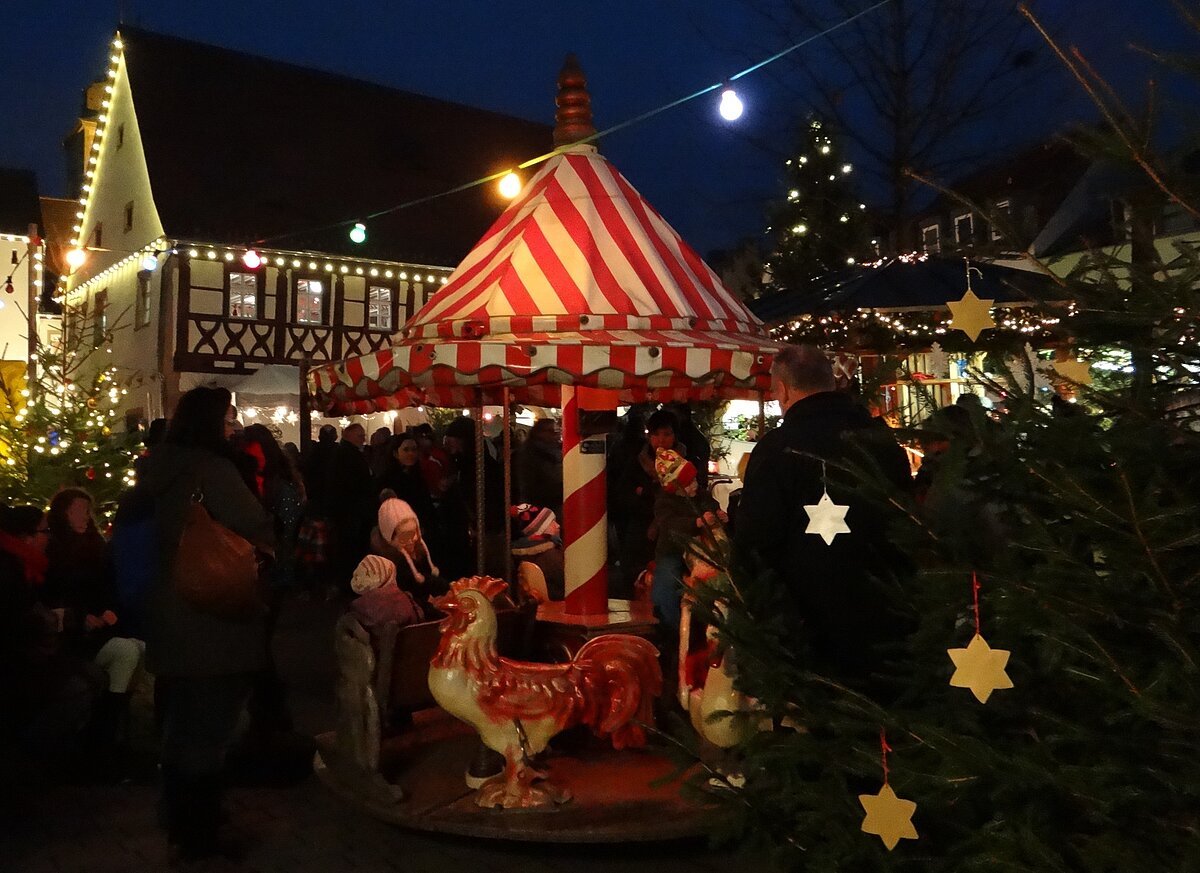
x,y
219,343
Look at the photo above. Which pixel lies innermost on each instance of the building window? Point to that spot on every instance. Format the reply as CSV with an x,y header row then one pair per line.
x,y
931,238
98,234
964,229
141,308
310,301
1002,213
243,295
100,319
129,216
120,135
379,307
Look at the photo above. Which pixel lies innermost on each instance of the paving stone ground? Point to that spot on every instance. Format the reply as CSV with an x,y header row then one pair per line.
x,y
48,827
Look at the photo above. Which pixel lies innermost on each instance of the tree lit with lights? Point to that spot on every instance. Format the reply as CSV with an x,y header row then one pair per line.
x,y
819,225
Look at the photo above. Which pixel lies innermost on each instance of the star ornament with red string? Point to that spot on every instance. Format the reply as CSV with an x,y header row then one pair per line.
x,y
826,519
980,668
888,817
971,315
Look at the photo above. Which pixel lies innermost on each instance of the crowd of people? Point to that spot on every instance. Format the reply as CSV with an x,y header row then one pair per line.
x,y
387,521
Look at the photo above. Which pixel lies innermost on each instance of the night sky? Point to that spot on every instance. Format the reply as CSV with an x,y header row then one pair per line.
x,y
708,178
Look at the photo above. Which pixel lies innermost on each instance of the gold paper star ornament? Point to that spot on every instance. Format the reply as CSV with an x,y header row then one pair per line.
x,y
888,816
980,668
971,315
826,519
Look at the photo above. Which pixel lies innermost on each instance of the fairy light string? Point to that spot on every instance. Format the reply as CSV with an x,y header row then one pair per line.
x,y
637,119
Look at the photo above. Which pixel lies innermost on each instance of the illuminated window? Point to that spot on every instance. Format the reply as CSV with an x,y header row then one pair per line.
x,y
931,238
379,307
243,295
310,300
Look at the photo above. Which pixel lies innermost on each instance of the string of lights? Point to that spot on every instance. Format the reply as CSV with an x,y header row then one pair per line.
x,y
730,108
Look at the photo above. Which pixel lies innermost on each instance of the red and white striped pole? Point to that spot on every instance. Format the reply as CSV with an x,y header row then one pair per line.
x,y
585,511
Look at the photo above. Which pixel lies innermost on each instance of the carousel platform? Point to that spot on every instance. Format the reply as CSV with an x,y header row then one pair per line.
x,y
618,796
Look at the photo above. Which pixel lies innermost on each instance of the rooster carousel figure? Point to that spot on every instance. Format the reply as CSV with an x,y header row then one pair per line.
x,y
517,707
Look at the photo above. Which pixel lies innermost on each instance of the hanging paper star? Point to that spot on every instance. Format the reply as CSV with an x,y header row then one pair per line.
x,y
888,817
826,519
980,668
1079,372
971,315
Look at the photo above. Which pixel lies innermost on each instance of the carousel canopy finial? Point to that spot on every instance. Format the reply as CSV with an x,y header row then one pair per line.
x,y
573,120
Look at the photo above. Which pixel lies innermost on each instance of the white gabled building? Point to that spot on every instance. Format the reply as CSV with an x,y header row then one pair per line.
x,y
216,195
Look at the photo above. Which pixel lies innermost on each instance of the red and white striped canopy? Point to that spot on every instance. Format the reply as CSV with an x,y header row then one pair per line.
x,y
579,282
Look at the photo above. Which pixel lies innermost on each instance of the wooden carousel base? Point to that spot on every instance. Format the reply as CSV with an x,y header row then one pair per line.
x,y
614,799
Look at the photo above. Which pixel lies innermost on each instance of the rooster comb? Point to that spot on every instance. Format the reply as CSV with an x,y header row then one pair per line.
x,y
488,586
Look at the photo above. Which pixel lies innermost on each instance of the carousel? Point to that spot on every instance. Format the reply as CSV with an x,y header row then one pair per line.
x,y
580,296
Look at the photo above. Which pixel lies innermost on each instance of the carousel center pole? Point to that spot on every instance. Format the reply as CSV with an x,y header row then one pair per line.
x,y
585,513
480,484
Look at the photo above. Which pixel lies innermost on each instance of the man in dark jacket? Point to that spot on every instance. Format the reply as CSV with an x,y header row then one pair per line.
x,y
351,503
841,612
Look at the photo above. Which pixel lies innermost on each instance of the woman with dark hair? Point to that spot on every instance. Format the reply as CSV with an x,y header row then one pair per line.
x,y
281,492
205,663
402,474
80,582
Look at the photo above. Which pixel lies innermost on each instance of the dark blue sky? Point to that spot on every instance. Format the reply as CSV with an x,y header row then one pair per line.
x,y
709,180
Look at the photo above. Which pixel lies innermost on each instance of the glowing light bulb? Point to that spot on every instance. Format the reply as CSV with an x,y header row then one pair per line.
x,y
846,168
731,106
149,263
358,233
824,149
76,258
800,229
510,186
252,259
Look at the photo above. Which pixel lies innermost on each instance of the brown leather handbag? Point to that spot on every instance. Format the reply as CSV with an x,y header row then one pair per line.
x,y
215,570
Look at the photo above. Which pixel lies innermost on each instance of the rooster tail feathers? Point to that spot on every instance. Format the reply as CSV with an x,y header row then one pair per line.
x,y
625,678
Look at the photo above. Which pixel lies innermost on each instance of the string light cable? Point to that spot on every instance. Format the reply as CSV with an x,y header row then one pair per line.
x,y
722,85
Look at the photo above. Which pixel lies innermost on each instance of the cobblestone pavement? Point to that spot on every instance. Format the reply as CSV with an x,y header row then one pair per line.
x,y
48,827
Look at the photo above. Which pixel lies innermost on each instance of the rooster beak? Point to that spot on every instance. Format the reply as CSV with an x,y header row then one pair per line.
x,y
447,603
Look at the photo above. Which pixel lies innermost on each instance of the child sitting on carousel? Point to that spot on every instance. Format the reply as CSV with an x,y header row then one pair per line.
x,y
380,600
678,509
537,548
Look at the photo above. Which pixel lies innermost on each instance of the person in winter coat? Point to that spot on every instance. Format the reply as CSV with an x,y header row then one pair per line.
x,y
80,582
678,506
842,615
204,662
351,502
49,694
402,475
397,537
635,492
380,600
538,463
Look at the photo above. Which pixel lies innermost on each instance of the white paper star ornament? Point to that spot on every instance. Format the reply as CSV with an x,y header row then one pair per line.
x,y
826,519
980,668
971,315
888,816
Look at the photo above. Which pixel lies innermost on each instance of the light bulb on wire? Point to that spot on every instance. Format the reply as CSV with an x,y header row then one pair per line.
x,y
509,186
76,258
731,106
149,263
358,233
251,259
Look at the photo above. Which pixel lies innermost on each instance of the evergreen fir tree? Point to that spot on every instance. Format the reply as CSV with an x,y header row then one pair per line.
x,y
820,225
1080,523
62,430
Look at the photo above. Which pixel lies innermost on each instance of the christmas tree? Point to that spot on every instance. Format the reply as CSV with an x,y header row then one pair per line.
x,y
61,430
820,225
1058,544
